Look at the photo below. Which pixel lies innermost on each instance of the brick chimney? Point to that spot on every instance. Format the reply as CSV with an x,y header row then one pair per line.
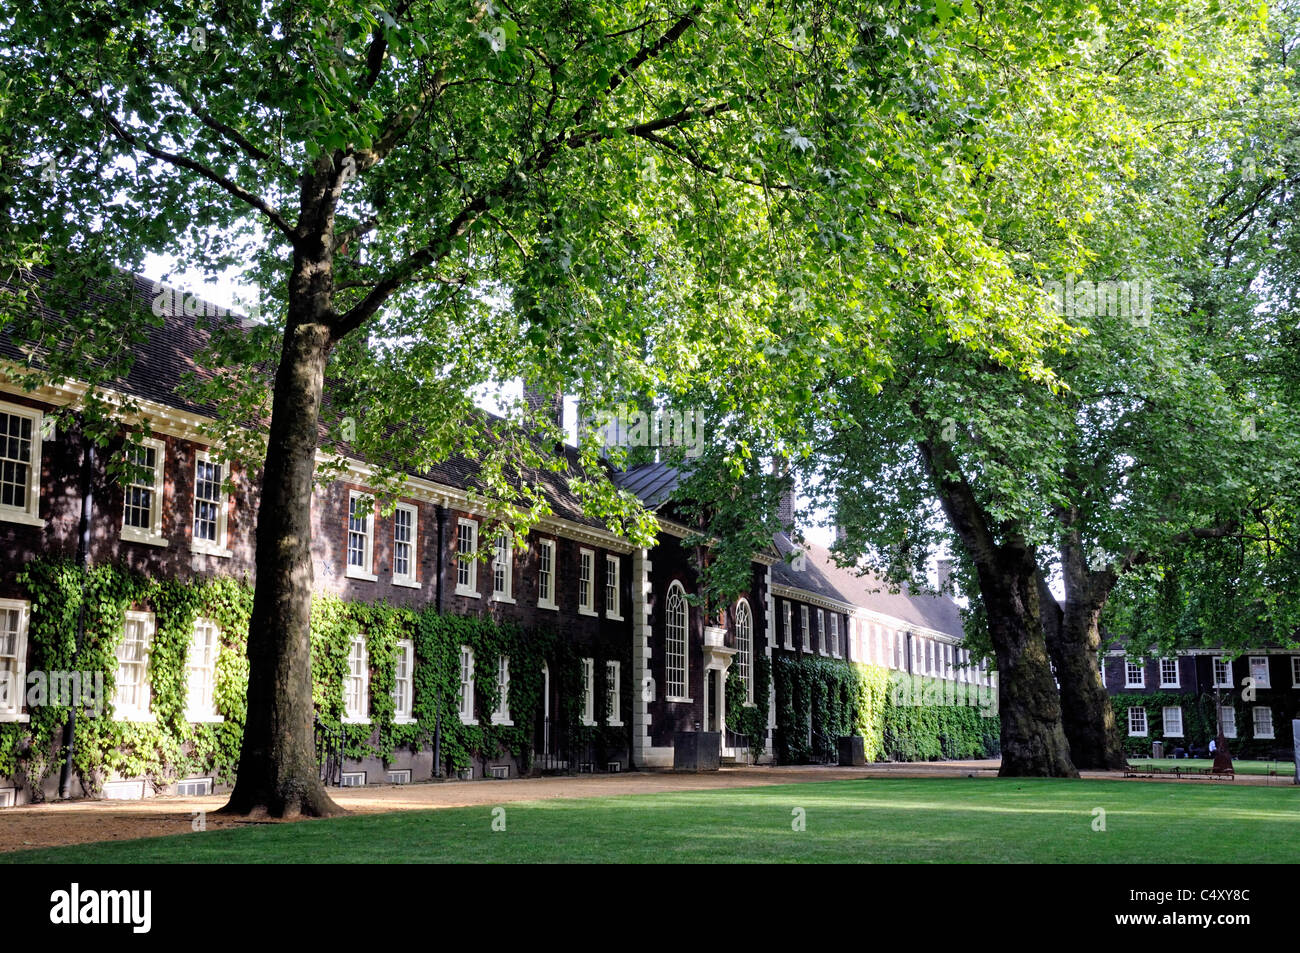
x,y
541,405
785,506
945,573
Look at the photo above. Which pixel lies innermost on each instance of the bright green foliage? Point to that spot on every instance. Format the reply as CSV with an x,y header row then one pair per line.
x,y
170,747
900,717
750,720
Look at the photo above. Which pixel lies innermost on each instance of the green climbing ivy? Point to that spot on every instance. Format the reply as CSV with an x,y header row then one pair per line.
x,y
170,747
900,717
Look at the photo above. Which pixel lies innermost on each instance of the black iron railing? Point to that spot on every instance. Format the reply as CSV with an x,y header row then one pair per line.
x,y
329,753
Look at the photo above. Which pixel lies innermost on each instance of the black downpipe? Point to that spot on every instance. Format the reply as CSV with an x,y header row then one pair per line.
x,y
441,512
83,560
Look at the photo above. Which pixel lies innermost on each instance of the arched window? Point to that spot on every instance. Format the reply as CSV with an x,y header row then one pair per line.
x,y
675,616
745,648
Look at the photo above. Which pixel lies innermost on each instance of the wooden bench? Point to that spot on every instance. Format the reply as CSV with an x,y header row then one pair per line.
x,y
1180,773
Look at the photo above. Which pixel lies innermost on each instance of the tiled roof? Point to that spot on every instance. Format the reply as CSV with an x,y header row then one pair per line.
x,y
823,576
652,483
168,353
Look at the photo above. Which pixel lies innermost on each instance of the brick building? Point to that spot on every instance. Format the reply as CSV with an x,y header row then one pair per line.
x,y
634,661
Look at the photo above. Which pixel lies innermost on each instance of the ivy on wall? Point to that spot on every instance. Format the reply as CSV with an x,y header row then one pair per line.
x,y
900,717
169,747
750,721
1199,724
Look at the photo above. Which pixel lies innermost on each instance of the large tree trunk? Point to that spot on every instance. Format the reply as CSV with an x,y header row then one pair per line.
x,y
278,771
1074,639
1033,741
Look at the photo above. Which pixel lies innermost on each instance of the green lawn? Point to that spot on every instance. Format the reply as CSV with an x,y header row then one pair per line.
x,y
878,820
1285,769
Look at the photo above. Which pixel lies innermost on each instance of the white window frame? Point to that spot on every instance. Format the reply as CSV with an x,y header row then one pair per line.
x,y
614,694
1164,721
588,692
466,701
219,546
1133,730
587,566
1165,682
805,628
1226,665
366,570
821,631
410,579
546,558
202,709
30,514
1262,660
404,714
359,715
502,715
1129,667
1295,671
788,641
1229,709
672,653
503,561
12,711
1254,721
613,609
136,713
467,562
153,534
745,647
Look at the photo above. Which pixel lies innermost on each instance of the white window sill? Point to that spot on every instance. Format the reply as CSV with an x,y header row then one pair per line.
x,y
18,516
554,608
467,719
1230,737
497,597
355,572
9,717
349,720
613,724
677,698
139,718
469,593
1135,686
200,549
614,617
408,583
584,611
199,718
1163,685
588,723
1267,737
147,539
1137,734
1170,734
787,646
1263,685
403,720
503,722
750,704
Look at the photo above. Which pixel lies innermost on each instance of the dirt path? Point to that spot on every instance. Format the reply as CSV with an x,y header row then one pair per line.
x,y
79,822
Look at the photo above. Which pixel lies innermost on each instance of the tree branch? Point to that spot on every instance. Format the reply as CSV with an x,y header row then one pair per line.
x,y
183,162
